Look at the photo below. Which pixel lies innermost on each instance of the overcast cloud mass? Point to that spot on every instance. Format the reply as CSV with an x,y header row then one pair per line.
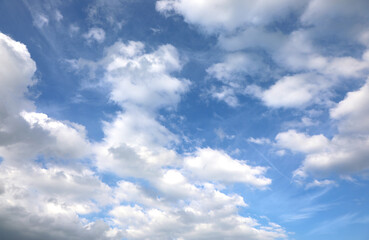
x,y
184,119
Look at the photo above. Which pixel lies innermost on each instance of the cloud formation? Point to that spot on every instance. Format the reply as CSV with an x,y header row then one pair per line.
x,y
46,190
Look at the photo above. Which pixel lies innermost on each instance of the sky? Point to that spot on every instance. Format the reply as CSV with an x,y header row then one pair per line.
x,y
184,119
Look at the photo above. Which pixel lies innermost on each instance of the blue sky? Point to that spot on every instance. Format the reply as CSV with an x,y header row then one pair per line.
x,y
184,119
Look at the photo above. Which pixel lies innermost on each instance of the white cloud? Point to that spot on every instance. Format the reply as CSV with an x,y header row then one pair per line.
x,y
95,34
353,112
298,52
39,203
292,91
48,199
209,213
345,155
234,67
36,202
227,14
135,143
19,125
347,151
14,79
259,140
226,94
301,142
216,165
68,139
145,78
325,13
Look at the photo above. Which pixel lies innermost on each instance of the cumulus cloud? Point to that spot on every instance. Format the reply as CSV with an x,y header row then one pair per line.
x,y
135,143
66,136
25,133
41,202
49,199
316,86
341,154
184,211
292,91
301,142
299,50
145,78
227,15
209,213
16,76
346,152
353,112
218,166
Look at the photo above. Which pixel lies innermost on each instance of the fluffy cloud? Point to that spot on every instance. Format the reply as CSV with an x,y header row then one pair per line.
x,y
141,79
353,112
218,166
209,213
343,155
292,91
299,50
301,142
24,133
49,199
315,87
347,151
63,136
176,208
41,202
234,67
44,203
135,143
227,15
16,75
